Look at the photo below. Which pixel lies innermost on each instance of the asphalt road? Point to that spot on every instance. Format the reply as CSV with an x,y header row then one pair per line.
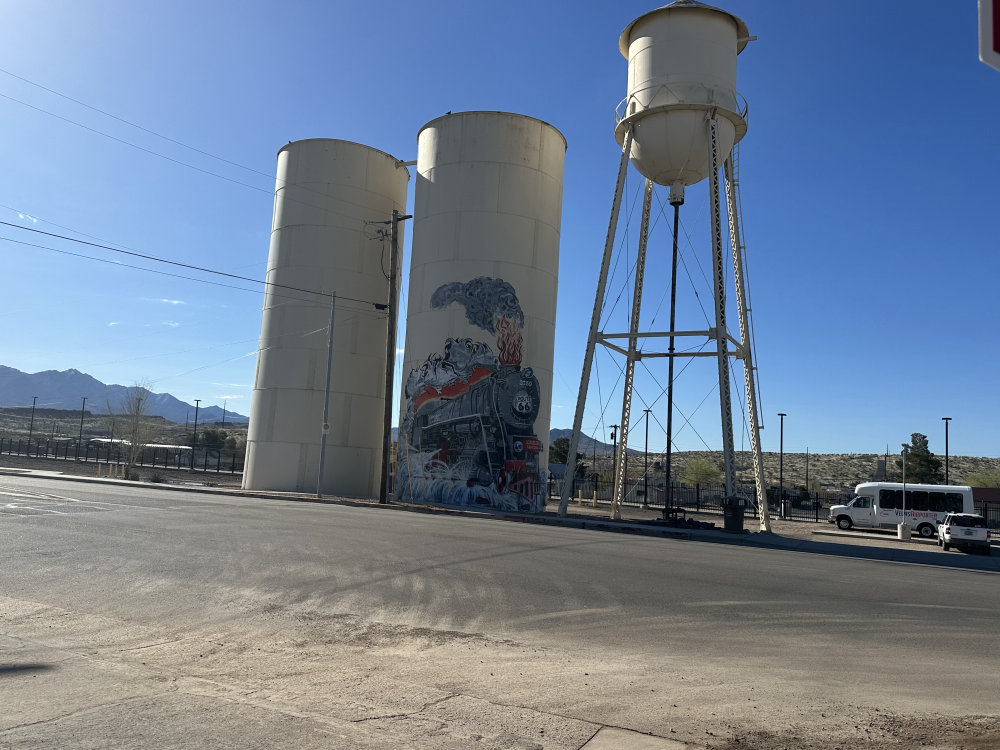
x,y
137,614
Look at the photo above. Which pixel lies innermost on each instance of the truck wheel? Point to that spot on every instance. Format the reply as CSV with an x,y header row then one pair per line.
x,y
945,546
844,523
925,530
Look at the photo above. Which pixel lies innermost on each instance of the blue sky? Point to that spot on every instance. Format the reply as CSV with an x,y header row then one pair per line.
x,y
868,176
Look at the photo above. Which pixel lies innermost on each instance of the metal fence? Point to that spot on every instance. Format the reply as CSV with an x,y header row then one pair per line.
x,y
699,498
166,457
791,504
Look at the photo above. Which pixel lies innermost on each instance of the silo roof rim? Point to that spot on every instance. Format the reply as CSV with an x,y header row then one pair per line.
x,y
493,112
742,32
386,154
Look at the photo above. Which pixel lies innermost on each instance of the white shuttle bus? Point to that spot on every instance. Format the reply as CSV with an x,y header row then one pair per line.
x,y
881,505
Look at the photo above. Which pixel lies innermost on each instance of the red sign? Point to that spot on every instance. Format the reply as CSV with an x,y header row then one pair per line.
x,y
531,445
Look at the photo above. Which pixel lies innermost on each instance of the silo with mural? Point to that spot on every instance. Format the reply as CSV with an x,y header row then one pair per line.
x,y
480,325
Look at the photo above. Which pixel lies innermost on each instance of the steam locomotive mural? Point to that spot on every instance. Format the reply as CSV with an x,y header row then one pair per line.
x,y
467,435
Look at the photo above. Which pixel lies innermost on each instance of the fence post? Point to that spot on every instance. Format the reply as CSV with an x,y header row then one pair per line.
x,y
697,498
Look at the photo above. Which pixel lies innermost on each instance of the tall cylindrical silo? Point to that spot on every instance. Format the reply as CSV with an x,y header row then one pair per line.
x,y
480,326
681,67
326,192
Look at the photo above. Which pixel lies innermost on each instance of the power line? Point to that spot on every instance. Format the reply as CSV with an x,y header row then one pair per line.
x,y
134,125
377,305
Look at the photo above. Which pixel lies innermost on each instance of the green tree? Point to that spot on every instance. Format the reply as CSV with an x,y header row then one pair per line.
x,y
700,471
559,454
922,466
985,478
213,440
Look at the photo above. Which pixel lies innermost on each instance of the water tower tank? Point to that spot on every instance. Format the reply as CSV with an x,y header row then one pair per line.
x,y
480,325
681,66
326,192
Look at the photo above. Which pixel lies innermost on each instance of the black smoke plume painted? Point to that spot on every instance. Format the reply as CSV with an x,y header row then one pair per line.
x,y
484,299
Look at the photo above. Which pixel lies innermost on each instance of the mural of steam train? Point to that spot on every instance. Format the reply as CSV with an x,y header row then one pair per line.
x,y
479,433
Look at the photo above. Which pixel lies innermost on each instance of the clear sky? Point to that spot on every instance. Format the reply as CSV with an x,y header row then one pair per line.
x,y
869,181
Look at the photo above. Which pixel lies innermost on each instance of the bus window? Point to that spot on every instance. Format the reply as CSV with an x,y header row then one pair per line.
x,y
890,499
938,502
861,501
955,502
916,500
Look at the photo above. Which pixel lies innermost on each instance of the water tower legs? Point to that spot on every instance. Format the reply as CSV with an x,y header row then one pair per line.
x,y
595,319
720,333
746,350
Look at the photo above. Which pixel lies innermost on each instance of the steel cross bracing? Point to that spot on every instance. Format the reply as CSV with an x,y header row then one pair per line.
x,y
621,459
741,348
721,335
595,321
735,240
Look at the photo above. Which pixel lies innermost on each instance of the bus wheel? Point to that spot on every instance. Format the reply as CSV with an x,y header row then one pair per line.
x,y
925,530
844,523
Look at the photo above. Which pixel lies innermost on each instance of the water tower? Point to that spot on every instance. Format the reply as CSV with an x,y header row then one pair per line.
x,y
678,125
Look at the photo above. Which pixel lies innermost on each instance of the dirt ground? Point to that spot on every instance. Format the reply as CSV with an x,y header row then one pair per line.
x,y
831,725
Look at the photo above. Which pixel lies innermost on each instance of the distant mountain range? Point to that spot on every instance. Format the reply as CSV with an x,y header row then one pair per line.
x,y
587,443
65,390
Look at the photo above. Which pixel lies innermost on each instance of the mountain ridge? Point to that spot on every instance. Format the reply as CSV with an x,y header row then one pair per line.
x,y
65,389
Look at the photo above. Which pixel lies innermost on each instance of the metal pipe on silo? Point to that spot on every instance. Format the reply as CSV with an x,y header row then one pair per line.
x,y
480,327
327,193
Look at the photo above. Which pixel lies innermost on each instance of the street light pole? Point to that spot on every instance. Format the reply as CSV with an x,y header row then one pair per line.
x,y
194,435
645,468
946,420
31,427
614,455
80,438
781,465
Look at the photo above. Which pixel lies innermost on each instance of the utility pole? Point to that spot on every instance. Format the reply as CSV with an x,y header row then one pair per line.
x,y
325,430
194,435
390,352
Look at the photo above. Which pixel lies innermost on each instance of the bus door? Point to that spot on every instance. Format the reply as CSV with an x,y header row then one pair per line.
x,y
863,511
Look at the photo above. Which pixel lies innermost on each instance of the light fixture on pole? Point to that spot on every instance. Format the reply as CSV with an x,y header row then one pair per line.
x,y
31,427
194,435
614,454
645,468
946,420
80,437
781,465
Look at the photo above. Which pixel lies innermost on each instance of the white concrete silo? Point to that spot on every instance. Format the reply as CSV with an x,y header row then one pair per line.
x,y
480,326
681,66
325,193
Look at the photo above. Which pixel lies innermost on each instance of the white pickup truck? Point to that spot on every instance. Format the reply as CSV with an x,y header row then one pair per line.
x,y
964,531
